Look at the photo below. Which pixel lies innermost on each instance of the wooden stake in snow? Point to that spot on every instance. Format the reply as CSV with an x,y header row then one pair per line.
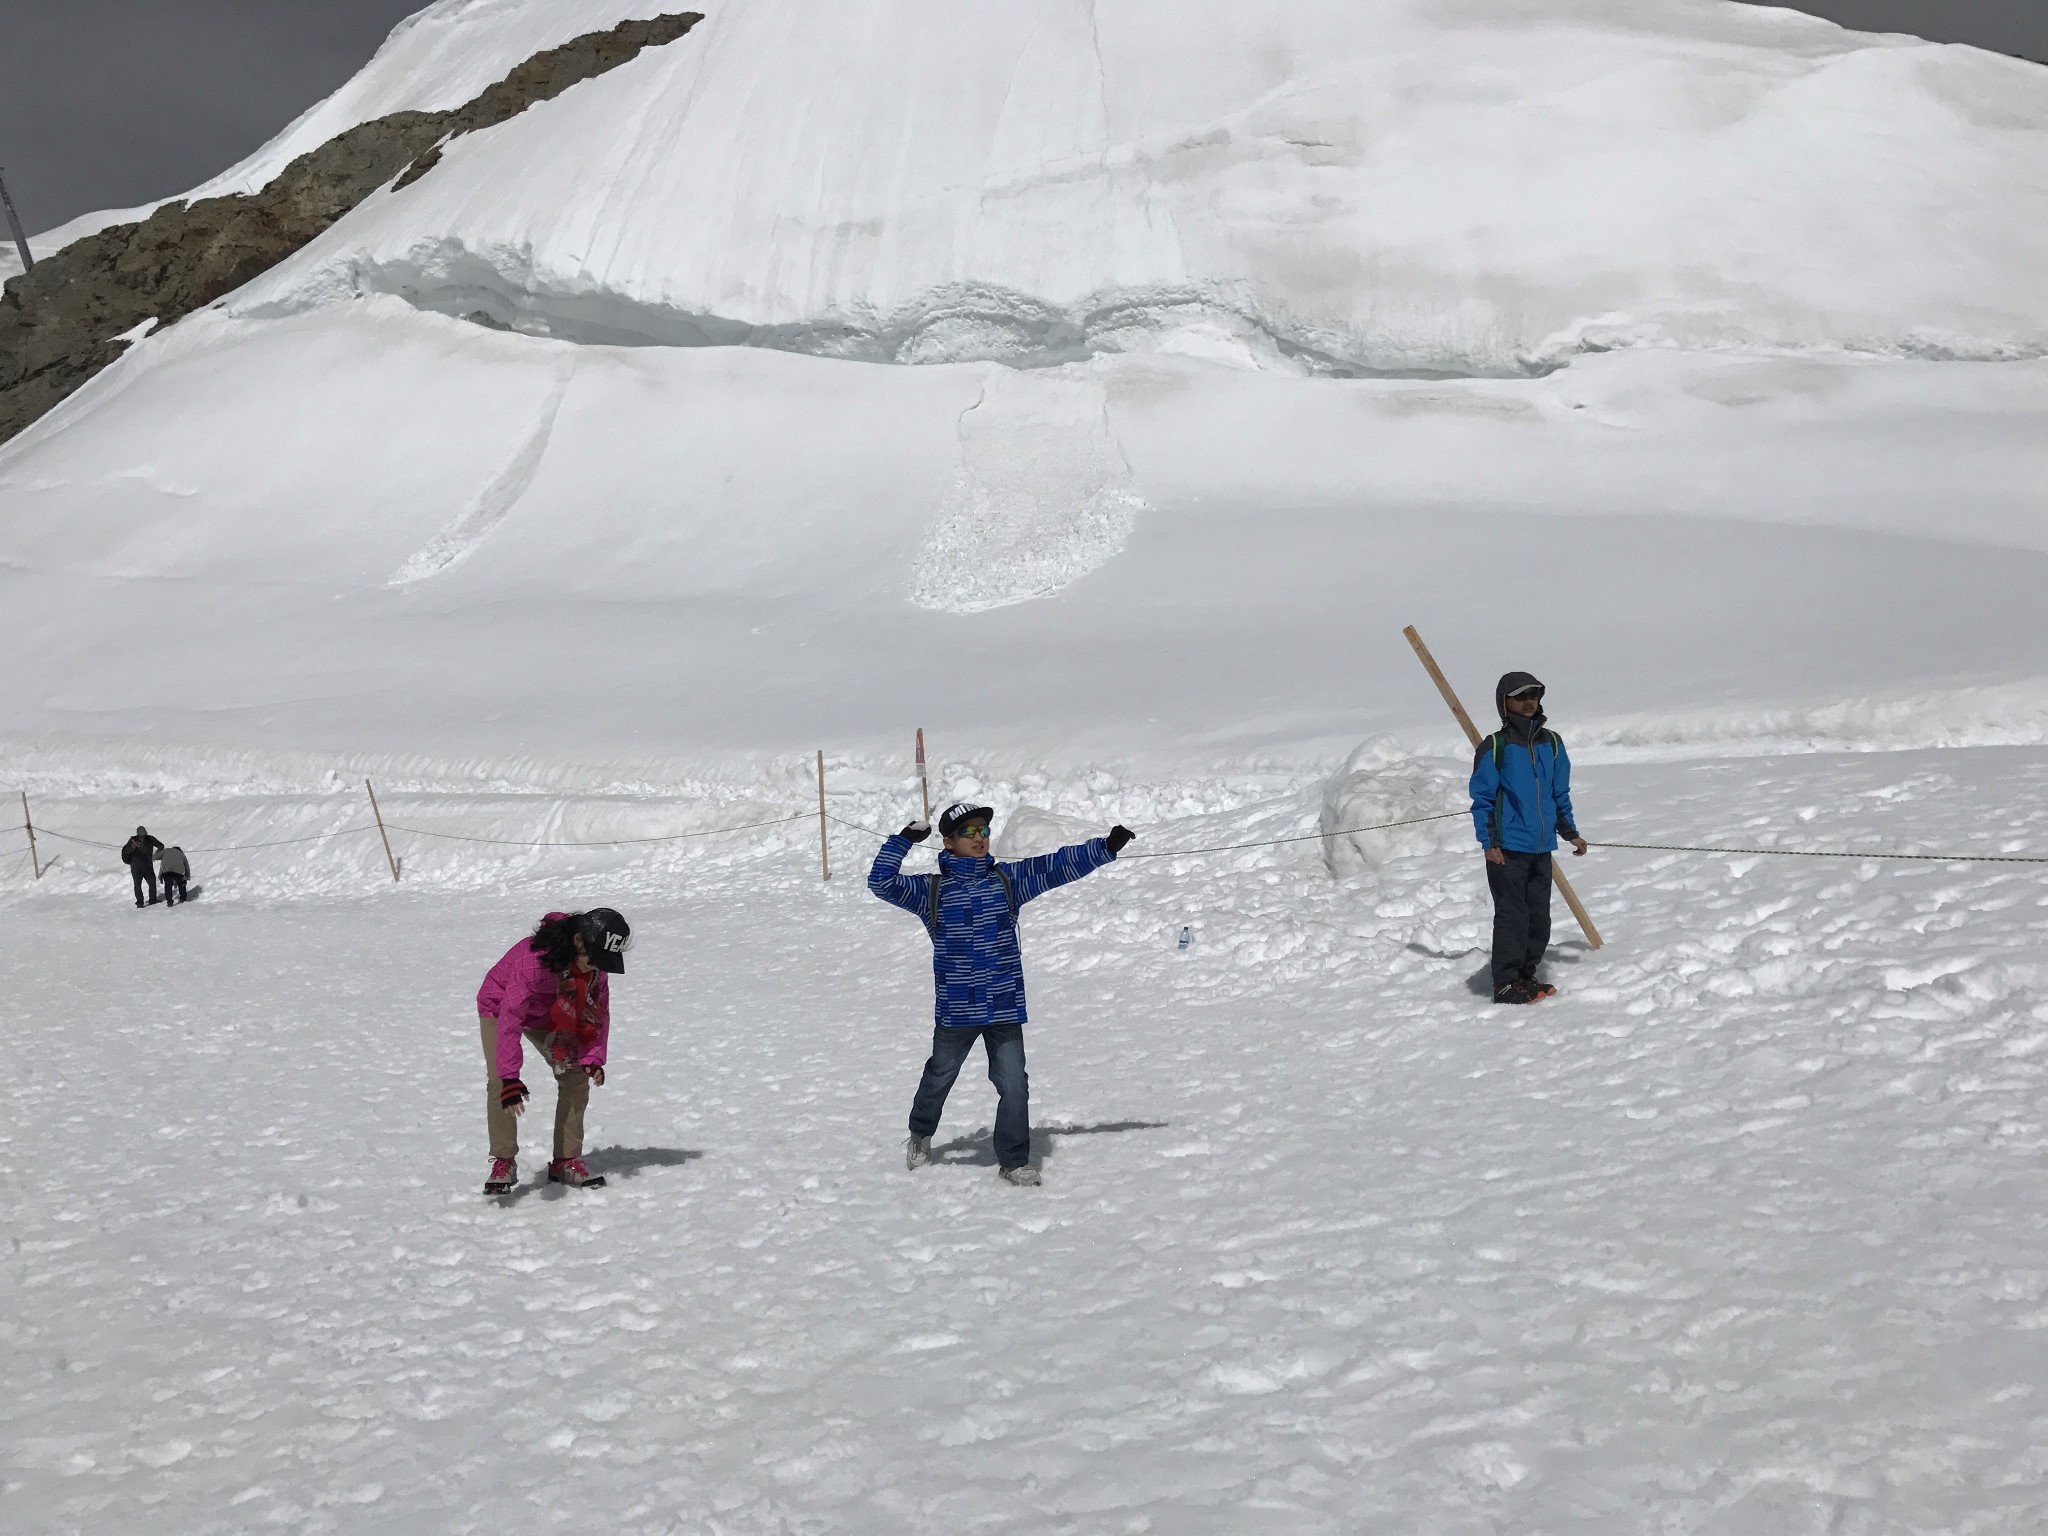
x,y
380,830
824,850
1443,686
28,824
924,782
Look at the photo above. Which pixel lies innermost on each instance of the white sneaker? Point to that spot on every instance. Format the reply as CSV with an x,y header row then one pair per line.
x,y
1024,1175
917,1152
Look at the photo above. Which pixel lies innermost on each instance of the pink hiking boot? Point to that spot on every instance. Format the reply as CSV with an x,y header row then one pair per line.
x,y
504,1174
570,1171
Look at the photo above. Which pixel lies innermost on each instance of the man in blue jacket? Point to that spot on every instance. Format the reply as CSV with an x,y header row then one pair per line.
x,y
970,910
1521,806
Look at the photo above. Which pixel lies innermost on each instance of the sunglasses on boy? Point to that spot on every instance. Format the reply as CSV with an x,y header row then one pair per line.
x,y
973,829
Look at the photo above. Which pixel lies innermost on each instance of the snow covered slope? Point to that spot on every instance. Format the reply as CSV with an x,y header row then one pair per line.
x,y
1133,242
1394,185
397,533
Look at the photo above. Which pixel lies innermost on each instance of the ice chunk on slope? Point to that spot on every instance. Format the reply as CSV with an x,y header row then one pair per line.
x,y
475,522
1393,187
1042,498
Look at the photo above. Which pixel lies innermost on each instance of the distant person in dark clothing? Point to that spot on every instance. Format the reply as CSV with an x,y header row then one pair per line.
x,y
139,854
1521,805
176,871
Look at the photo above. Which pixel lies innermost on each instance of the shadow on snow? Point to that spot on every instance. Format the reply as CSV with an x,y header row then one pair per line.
x,y
615,1163
979,1149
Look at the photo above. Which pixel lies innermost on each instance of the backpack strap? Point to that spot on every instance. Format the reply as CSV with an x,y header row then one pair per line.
x,y
931,898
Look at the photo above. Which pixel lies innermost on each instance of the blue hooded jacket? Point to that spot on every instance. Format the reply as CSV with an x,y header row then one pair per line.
x,y
1521,782
977,968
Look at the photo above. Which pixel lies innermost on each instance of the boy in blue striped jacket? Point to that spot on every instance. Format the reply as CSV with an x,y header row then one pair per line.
x,y
1521,805
970,910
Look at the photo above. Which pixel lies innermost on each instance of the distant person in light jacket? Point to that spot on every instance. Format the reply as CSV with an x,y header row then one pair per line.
x,y
177,870
552,992
139,854
1521,805
969,907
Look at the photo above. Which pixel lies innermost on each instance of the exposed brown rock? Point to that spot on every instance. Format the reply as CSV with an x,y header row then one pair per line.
x,y
58,323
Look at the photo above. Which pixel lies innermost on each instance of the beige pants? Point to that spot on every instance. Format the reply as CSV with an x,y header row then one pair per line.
x,y
572,1097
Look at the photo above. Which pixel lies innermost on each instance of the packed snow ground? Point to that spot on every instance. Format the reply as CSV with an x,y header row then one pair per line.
x,y
1742,1234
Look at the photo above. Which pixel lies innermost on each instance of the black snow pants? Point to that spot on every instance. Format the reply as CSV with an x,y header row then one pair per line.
x,y
143,870
1521,915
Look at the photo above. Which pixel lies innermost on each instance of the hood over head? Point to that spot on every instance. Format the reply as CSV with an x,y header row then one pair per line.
x,y
1515,682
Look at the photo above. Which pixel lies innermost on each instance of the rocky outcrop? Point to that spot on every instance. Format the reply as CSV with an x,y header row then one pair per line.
x,y
63,322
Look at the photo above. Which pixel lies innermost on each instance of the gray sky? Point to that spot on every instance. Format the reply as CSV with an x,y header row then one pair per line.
x,y
109,103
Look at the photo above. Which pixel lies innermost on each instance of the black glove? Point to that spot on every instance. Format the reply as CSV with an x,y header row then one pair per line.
x,y
917,831
511,1091
1118,836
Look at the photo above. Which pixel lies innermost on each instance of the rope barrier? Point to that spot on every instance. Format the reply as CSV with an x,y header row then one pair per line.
x,y
609,842
1182,853
1830,853
506,842
1169,853
1416,821
1307,837
88,842
282,842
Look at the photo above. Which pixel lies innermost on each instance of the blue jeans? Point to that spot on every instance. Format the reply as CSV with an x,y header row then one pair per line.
x,y
950,1048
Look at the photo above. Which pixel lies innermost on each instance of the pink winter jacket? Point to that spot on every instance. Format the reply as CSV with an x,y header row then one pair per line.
x,y
519,991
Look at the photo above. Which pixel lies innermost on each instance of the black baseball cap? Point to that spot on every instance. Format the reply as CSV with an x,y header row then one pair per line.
x,y
606,937
957,815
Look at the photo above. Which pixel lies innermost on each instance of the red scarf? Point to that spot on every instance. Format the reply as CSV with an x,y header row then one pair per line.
x,y
573,1021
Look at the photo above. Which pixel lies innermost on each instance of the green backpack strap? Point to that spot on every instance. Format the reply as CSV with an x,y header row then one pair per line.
x,y
1494,741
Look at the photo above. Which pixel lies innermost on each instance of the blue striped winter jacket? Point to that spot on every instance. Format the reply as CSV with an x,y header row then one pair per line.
x,y
977,968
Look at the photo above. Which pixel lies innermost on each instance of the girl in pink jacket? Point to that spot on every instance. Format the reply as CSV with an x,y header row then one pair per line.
x,y
552,992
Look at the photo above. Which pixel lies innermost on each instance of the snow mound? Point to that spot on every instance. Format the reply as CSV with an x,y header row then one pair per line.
x,y
1382,782
1030,830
